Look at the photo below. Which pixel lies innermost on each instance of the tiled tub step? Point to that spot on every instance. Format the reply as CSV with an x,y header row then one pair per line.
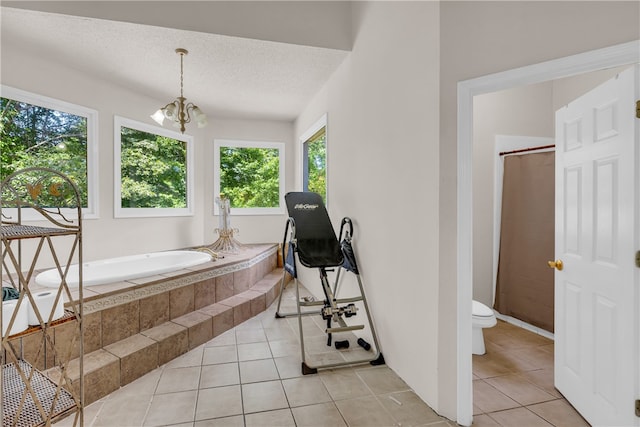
x,y
119,363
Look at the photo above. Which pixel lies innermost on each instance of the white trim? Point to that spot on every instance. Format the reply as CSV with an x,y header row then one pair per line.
x,y
280,146
524,325
91,211
319,124
118,210
507,143
614,56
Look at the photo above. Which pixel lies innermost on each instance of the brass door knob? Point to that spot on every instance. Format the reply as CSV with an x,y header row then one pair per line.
x,y
557,264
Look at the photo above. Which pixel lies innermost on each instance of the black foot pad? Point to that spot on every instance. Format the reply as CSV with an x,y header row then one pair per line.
x,y
378,361
306,370
341,344
278,316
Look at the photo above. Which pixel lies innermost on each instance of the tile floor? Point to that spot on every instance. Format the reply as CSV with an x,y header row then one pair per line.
x,y
250,376
513,382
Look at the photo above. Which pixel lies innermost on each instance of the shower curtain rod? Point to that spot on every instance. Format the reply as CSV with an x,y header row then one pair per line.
x,y
527,149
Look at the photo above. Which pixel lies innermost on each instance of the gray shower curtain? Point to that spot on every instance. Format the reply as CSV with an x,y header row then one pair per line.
x,y
524,287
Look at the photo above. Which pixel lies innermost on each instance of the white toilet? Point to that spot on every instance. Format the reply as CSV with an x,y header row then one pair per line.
x,y
481,317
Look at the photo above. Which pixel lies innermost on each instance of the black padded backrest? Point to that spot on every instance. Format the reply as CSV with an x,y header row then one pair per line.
x,y
316,239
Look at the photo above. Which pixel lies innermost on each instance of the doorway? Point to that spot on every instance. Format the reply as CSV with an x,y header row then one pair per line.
x,y
590,61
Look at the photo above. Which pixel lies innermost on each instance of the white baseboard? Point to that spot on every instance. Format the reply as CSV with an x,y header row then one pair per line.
x,y
524,325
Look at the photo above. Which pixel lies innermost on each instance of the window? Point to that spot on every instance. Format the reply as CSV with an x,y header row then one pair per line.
x,y
251,175
45,132
153,171
314,158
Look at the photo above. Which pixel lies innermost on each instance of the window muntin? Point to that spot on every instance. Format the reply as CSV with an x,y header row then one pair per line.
x,y
153,171
251,175
39,131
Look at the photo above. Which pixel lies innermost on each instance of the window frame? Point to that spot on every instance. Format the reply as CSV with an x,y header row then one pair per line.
x,y
280,146
119,211
303,139
91,115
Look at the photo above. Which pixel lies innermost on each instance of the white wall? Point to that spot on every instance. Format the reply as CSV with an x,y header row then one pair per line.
x,y
106,236
382,106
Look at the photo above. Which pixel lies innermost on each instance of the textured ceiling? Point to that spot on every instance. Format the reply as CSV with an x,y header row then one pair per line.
x,y
226,76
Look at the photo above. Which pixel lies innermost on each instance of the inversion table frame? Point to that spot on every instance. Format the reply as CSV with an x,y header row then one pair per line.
x,y
313,240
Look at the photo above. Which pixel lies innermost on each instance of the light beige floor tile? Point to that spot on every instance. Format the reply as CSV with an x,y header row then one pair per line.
x,y
264,396
408,409
219,402
236,421
190,358
519,389
179,379
509,360
146,384
289,367
486,367
305,391
226,338
125,410
253,351
253,371
219,375
279,418
283,348
279,333
537,357
364,412
357,353
344,384
488,399
519,417
244,336
220,354
559,413
250,324
543,378
382,380
484,421
90,414
320,415
317,344
319,359
171,408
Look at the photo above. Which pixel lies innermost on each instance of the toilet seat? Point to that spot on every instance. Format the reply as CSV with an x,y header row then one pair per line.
x,y
482,316
480,310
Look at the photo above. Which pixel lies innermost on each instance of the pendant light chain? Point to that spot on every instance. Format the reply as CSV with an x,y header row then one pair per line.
x,y
181,73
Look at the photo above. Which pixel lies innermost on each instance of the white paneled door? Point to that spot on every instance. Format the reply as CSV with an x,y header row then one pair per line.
x,y
597,329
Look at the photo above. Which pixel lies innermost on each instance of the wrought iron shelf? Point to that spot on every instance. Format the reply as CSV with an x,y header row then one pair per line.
x,y
20,408
33,397
14,232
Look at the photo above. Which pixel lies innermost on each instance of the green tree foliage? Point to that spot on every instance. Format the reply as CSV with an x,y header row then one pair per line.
x,y
317,165
37,136
153,170
250,177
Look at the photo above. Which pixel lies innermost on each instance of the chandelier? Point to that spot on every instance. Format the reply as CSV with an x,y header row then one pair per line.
x,y
178,111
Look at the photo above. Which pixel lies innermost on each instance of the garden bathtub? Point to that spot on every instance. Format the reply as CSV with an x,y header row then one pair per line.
x,y
124,268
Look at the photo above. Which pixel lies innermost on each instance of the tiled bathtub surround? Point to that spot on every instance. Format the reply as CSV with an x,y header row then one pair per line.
x,y
251,376
131,330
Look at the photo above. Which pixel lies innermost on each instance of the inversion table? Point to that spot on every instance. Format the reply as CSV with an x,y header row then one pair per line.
x,y
313,241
